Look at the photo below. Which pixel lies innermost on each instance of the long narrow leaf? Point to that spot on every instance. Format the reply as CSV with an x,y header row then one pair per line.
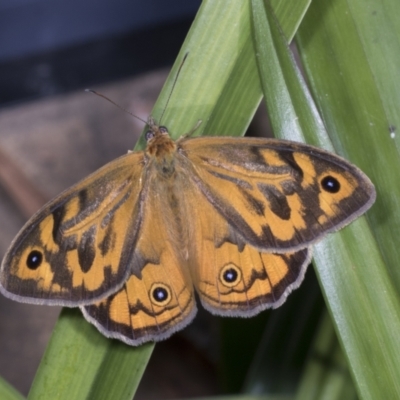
x,y
353,275
327,375
7,392
350,56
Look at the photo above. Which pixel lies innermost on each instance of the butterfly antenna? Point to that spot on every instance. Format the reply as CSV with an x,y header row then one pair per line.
x,y
173,85
115,104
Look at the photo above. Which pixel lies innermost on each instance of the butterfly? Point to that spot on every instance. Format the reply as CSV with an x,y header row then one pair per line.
x,y
232,219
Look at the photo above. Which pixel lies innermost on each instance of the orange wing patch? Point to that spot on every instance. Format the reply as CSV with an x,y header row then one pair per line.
x,y
280,196
77,248
149,307
232,277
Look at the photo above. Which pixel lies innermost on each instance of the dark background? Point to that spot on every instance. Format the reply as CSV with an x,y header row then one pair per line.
x,y
53,46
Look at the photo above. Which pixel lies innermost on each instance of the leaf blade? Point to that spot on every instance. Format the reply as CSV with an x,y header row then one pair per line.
x,y
348,295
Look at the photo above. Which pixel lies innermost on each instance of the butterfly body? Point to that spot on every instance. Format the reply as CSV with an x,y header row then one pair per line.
x,y
230,218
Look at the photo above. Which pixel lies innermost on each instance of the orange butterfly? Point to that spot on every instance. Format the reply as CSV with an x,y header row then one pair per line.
x,y
232,218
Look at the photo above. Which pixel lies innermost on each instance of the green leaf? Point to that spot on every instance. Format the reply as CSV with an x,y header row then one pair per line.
x,y
349,56
7,392
326,375
80,363
290,13
357,287
218,83
354,79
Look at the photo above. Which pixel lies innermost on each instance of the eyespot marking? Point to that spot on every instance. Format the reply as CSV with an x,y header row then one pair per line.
x,y
330,184
230,275
34,259
160,294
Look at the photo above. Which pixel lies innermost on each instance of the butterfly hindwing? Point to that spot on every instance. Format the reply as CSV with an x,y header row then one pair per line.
x,y
231,277
77,247
150,306
244,283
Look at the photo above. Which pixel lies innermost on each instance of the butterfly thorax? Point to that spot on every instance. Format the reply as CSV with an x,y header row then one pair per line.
x,y
160,150
161,146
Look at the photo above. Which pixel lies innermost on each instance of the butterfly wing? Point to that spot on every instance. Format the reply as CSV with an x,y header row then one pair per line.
x,y
77,247
158,297
231,277
242,283
151,306
278,195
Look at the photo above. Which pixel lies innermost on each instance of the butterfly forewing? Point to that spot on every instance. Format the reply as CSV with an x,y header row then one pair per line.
x,y
278,195
78,246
